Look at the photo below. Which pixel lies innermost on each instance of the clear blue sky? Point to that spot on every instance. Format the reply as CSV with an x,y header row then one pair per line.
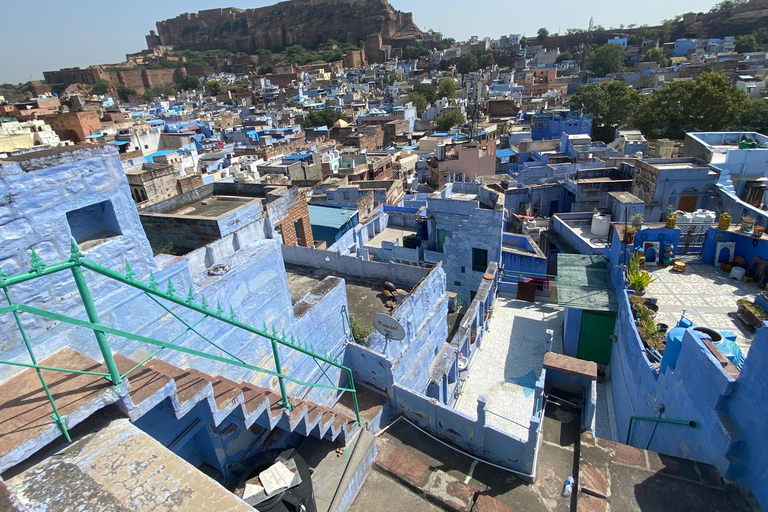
x,y
46,35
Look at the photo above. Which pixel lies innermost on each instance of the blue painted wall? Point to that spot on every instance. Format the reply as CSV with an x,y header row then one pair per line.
x,y
747,246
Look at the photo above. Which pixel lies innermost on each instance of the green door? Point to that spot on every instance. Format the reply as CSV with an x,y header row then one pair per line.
x,y
595,336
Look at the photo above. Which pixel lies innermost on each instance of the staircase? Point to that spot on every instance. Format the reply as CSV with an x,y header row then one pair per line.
x,y
27,425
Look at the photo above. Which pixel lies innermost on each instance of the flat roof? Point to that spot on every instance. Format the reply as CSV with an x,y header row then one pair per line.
x,y
213,207
584,282
330,217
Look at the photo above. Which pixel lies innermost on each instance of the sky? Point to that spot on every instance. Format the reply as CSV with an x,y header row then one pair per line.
x,y
49,35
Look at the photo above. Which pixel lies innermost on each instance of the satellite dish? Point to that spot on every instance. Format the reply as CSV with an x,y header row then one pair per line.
x,y
388,326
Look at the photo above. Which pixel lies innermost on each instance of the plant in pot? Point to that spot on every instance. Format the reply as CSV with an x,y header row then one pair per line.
x,y
639,281
637,221
629,234
651,335
757,231
671,217
752,311
747,223
724,222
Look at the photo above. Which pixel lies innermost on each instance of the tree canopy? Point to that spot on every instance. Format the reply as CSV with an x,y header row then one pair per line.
x,y
564,56
611,104
746,43
447,88
709,103
467,64
656,55
450,119
542,34
429,91
189,83
418,100
213,87
608,58
100,87
325,117
486,61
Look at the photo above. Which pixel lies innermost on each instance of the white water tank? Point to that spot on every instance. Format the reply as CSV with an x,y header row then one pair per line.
x,y
684,218
601,224
440,152
704,216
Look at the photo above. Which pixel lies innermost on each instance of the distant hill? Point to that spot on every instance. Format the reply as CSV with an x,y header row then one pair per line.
x,y
301,22
739,20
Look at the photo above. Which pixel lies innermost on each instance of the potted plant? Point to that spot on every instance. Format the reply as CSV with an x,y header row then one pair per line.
x,y
757,231
753,312
671,217
746,224
629,234
472,337
651,335
725,221
637,221
639,281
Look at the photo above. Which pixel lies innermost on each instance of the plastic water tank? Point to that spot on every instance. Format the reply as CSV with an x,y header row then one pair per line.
x,y
704,216
440,152
684,218
601,224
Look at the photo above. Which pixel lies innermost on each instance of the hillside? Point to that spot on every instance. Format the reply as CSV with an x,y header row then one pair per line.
x,y
302,22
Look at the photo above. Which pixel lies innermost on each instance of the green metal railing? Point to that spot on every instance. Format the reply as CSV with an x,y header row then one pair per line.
x,y
632,419
75,265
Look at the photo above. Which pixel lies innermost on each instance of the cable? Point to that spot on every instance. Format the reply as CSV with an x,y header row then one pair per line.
x,y
520,473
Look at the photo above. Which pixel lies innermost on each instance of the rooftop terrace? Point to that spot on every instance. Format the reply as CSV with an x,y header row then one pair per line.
x,y
705,293
364,296
509,362
213,207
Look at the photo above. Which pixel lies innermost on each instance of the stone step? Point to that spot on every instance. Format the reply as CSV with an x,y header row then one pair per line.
x,y
144,382
25,412
189,386
119,467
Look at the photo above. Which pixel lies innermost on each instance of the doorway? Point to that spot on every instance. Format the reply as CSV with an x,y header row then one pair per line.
x,y
688,203
595,336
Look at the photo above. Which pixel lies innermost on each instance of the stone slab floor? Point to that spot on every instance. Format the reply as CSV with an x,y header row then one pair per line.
x,y
509,361
705,293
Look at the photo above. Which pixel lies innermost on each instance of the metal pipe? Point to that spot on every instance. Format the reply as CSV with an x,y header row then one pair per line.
x,y
279,370
93,317
691,423
56,415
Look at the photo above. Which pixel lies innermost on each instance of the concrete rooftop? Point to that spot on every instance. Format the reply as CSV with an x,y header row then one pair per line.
x,y
509,362
391,234
213,207
705,293
363,295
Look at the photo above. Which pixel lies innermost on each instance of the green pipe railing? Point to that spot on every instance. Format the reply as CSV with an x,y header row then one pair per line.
x,y
632,419
76,263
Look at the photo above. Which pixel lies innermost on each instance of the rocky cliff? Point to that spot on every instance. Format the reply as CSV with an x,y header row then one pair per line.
x,y
303,22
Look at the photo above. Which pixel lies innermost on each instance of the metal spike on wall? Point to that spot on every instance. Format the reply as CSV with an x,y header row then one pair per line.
x,y
37,264
203,302
3,276
232,314
219,309
129,273
152,281
74,251
169,291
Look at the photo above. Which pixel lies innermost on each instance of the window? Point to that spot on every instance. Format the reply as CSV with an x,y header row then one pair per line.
x,y
346,195
479,260
297,229
457,283
92,223
463,269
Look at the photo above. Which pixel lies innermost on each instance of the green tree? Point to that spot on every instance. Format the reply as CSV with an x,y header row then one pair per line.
x,y
564,56
429,91
124,92
523,42
656,55
754,117
100,87
418,100
467,64
611,104
447,88
450,119
486,61
325,117
189,83
542,34
608,58
213,87
746,43
709,103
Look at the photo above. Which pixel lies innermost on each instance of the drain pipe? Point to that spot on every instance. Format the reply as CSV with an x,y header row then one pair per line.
x,y
691,423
